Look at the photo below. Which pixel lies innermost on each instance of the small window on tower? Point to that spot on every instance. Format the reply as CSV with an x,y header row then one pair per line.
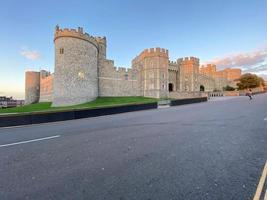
x,y
61,51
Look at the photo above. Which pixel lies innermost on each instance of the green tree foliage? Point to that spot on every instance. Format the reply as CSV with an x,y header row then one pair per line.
x,y
249,81
228,88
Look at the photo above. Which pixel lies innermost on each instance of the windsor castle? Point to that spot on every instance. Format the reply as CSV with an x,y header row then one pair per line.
x,y
82,73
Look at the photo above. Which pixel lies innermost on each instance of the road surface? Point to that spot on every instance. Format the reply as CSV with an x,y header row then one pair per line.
x,y
213,150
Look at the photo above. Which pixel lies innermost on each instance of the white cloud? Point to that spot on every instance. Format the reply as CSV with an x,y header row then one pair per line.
x,y
254,61
30,54
264,76
256,69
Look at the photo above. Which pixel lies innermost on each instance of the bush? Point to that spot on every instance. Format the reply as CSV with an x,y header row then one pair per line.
x,y
228,88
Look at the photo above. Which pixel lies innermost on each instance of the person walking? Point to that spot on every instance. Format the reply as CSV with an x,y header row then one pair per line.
x,y
249,94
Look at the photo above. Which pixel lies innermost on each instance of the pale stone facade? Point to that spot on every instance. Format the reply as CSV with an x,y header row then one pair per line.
x,y
82,73
117,81
32,87
152,67
76,68
46,86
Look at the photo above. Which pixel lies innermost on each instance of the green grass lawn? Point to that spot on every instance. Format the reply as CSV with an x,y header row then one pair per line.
x,y
99,102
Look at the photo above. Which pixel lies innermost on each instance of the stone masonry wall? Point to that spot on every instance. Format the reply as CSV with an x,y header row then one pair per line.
x,y
117,81
46,88
189,70
76,67
32,87
174,76
206,81
153,65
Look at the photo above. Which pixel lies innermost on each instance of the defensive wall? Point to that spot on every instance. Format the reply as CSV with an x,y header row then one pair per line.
x,y
119,81
76,67
46,88
32,87
152,66
82,73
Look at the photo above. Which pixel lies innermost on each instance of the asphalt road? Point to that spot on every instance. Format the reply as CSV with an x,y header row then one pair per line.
x,y
214,150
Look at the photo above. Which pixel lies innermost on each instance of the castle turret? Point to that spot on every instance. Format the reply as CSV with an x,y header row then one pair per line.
x,y
32,87
102,46
76,63
189,70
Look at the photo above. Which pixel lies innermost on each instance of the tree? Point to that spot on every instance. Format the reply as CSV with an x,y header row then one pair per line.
x,y
249,81
262,81
228,88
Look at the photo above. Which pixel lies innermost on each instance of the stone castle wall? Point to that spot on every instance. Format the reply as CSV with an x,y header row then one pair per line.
x,y
46,88
152,65
233,74
174,77
76,68
230,74
189,70
82,73
32,87
207,82
117,81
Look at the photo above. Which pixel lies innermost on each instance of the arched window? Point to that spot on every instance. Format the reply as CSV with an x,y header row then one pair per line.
x,y
202,88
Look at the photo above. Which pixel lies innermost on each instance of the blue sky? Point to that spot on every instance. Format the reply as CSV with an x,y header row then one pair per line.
x,y
230,33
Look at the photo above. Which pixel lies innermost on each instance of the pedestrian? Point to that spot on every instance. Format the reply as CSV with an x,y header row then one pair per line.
x,y
249,94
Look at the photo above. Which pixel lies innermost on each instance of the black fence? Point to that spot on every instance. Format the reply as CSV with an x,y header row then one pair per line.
x,y
36,118
179,102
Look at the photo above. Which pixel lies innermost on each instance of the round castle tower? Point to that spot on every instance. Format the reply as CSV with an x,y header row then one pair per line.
x,y
76,67
32,87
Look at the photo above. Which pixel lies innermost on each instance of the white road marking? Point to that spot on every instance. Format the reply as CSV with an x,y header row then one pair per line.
x,y
28,141
261,183
265,119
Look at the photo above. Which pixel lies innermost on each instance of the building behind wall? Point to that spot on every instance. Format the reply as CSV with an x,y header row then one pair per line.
x,y
83,73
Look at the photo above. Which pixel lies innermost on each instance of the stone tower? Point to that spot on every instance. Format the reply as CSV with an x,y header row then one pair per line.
x,y
32,87
152,65
76,67
102,46
189,70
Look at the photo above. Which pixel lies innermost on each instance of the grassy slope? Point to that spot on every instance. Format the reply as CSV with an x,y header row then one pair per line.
x,y
99,102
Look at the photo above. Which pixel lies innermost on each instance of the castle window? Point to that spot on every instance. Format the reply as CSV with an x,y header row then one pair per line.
x,y
170,87
61,51
81,75
126,76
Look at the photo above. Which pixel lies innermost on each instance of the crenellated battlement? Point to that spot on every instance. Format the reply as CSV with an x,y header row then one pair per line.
x,y
75,33
101,40
155,50
172,62
152,52
188,59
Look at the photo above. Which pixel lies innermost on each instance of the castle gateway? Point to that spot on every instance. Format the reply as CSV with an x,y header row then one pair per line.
x,y
83,73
